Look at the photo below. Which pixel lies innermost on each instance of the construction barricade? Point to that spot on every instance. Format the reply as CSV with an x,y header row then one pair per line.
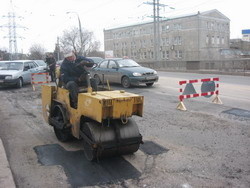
x,y
39,78
208,88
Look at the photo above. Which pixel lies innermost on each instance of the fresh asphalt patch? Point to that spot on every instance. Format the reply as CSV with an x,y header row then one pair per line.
x,y
238,112
151,148
81,172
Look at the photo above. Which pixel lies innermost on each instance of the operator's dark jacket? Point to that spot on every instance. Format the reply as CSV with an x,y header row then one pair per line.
x,y
70,71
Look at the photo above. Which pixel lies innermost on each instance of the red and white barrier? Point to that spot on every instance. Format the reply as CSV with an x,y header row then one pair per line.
x,y
39,78
182,96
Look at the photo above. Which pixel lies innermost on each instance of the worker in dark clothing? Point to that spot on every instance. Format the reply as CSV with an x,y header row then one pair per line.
x,y
74,74
51,63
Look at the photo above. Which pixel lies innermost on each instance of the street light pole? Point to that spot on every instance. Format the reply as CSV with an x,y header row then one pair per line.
x,y
80,30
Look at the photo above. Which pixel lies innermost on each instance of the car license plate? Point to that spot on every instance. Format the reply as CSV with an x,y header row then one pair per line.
x,y
150,77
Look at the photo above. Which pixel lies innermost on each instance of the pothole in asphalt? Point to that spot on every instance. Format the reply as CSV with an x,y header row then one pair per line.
x,y
238,112
81,172
151,148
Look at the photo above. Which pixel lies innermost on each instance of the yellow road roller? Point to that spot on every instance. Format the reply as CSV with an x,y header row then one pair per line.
x,y
102,119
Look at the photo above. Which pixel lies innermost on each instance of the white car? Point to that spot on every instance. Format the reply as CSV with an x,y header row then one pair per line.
x,y
42,66
17,72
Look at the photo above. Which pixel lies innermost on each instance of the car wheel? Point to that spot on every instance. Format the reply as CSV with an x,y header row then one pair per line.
x,y
19,83
149,84
125,82
97,79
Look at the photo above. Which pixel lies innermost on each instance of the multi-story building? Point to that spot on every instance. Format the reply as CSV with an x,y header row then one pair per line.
x,y
186,42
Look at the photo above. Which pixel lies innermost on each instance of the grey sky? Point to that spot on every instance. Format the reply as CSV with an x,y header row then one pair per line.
x,y
46,19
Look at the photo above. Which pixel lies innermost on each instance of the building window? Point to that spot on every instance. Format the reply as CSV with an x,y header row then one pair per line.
x,y
167,54
163,41
167,41
165,28
178,54
218,40
133,44
177,40
222,40
222,27
208,25
124,45
145,55
163,54
212,25
152,42
212,39
177,26
116,45
207,39
218,26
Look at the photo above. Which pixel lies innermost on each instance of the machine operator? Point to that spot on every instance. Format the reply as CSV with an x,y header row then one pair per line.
x,y
74,74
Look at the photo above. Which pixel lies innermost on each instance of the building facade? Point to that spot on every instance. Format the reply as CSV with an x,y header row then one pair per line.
x,y
186,42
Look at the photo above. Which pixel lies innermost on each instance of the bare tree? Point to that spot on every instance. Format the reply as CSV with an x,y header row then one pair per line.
x,y
71,39
37,51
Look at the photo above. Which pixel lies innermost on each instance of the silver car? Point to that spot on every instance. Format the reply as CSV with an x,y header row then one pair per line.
x,y
16,73
42,66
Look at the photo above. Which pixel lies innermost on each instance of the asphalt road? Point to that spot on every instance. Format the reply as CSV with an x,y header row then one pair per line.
x,y
207,145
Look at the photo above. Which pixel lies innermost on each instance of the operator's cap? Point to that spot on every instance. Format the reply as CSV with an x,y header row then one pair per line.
x,y
68,53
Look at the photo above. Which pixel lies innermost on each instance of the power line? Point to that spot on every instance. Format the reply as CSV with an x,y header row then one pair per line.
x,y
12,34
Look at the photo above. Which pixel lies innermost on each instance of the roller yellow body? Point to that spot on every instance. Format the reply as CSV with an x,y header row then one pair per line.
x,y
101,108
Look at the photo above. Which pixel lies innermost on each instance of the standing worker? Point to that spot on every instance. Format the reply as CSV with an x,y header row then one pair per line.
x,y
51,63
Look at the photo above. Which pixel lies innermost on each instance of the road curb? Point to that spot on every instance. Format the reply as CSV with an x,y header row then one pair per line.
x,y
6,178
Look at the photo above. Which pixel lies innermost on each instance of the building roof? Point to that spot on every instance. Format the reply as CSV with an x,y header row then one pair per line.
x,y
205,13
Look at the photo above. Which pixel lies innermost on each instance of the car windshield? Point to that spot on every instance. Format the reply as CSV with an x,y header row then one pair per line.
x,y
2,65
96,59
41,63
12,66
127,63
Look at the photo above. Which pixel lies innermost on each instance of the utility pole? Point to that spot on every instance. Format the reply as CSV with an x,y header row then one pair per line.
x,y
12,35
155,33
58,49
157,37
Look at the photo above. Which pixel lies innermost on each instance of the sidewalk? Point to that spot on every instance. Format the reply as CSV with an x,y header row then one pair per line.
x,y
6,178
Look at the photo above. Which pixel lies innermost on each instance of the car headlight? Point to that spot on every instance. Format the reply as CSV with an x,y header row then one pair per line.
x,y
136,74
155,72
8,77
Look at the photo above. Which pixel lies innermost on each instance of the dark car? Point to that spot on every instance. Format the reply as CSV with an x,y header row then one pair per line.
x,y
124,71
96,59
